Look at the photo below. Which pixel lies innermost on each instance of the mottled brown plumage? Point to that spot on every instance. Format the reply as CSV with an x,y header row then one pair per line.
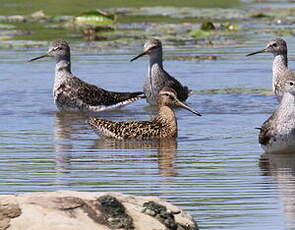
x,y
265,133
277,134
72,94
163,125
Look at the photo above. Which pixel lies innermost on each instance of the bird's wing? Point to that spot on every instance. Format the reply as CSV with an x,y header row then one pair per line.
x,y
171,82
266,131
95,96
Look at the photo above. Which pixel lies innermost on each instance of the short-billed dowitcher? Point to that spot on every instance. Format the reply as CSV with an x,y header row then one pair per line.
x,y
277,134
163,125
280,71
72,94
157,78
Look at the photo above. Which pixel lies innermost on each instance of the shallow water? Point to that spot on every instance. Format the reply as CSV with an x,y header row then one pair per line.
x,y
215,169
212,170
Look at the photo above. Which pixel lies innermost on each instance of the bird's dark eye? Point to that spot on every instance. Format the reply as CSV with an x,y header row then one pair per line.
x,y
291,83
169,95
274,45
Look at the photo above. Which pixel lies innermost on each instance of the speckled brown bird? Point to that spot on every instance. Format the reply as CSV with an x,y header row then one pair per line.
x,y
161,126
277,134
72,94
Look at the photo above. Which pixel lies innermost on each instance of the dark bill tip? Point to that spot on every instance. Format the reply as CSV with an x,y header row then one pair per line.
x,y
36,58
197,113
138,56
185,106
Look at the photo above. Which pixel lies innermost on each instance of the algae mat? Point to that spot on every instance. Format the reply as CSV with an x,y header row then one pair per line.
x,y
74,7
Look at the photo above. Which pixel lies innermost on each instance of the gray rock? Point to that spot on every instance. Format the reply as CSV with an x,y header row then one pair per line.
x,y
69,210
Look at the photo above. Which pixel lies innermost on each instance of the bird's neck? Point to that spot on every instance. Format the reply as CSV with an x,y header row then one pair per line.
x,y
154,72
63,64
286,108
155,66
280,64
167,117
156,59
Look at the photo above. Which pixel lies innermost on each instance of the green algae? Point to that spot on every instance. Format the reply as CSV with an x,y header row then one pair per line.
x,y
45,32
171,21
95,18
199,33
75,7
210,31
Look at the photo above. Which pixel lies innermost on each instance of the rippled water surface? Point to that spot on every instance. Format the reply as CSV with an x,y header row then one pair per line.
x,y
215,169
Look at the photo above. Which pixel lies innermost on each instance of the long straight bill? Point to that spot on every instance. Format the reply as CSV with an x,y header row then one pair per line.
x,y
138,56
256,52
36,58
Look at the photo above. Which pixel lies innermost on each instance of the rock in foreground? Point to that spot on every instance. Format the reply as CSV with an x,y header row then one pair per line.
x,y
69,210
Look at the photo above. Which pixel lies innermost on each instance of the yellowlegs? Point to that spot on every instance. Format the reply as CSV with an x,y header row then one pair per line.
x,y
72,94
163,125
280,71
277,134
157,78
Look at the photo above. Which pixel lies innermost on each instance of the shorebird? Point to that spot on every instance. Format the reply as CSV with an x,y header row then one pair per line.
x,y
157,78
280,71
277,134
72,94
163,125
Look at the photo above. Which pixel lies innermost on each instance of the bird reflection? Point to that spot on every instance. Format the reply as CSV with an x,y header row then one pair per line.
x,y
65,126
165,148
166,157
281,167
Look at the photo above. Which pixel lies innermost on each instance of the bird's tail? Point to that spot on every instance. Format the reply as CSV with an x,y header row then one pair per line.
x,y
102,127
125,102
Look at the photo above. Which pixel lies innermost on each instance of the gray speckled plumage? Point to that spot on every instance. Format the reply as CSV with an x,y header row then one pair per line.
x,y
163,125
157,78
277,134
281,73
72,94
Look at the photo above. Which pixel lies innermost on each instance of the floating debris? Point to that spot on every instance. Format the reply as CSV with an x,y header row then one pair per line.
x,y
95,18
229,27
39,15
266,92
259,15
13,18
207,26
192,58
